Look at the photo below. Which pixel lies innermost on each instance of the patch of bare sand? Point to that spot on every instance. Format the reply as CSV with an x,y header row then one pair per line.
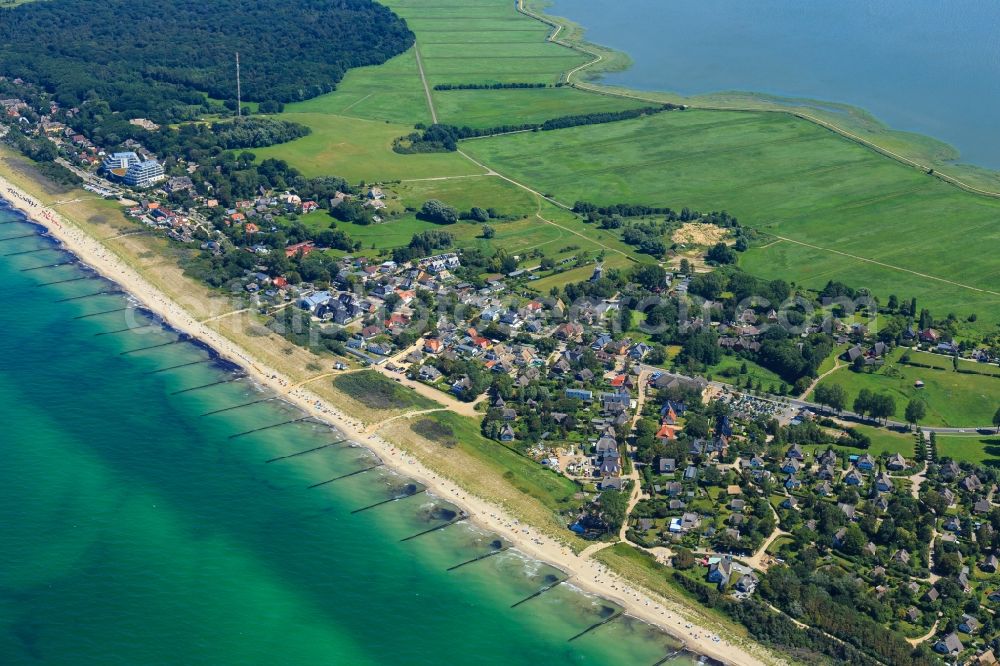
x,y
698,233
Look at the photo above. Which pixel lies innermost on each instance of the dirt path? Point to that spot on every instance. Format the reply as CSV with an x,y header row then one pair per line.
x,y
423,79
837,365
491,172
757,560
225,314
375,427
916,481
917,641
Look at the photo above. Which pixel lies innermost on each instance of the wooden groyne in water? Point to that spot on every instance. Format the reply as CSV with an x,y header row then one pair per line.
x,y
480,558
540,592
391,499
611,618
302,453
210,385
344,476
451,522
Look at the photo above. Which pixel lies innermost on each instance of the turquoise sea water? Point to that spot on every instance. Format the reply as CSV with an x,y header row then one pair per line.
x,y
138,530
924,66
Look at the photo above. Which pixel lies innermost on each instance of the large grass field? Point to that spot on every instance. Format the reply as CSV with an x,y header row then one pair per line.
x,y
483,41
952,398
391,91
359,150
491,108
785,177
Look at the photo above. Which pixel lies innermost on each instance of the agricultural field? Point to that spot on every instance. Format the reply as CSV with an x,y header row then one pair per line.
x,y
466,193
390,92
788,178
492,108
953,399
516,237
483,41
360,150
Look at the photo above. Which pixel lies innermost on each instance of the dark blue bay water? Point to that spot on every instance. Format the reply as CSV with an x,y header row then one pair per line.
x,y
924,66
139,529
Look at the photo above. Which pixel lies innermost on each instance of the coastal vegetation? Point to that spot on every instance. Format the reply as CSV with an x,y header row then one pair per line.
x,y
453,446
381,393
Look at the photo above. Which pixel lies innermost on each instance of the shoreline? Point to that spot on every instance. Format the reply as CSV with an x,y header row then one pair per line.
x,y
589,77
589,575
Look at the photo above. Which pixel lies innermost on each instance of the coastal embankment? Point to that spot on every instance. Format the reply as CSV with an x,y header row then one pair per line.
x,y
584,572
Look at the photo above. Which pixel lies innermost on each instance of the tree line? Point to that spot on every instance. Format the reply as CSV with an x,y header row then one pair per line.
x,y
488,86
439,138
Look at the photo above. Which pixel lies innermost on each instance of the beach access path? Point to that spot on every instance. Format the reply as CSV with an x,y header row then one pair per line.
x,y
587,574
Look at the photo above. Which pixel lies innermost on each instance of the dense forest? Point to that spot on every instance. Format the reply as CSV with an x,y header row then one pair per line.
x,y
157,58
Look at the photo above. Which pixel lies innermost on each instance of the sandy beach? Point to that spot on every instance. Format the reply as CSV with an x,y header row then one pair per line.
x,y
587,574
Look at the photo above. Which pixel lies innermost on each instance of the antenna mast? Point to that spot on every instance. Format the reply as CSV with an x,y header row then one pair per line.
x,y
239,95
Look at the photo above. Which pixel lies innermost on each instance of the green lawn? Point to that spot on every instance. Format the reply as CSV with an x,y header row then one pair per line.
x,y
357,149
558,279
982,450
933,360
783,176
517,237
953,399
883,441
729,364
831,361
980,368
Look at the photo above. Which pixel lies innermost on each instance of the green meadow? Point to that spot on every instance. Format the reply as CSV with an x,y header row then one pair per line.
x,y
390,92
465,193
483,41
359,150
882,441
980,450
492,108
867,220
953,399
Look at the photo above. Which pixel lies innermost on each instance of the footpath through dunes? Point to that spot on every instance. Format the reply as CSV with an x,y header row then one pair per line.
x,y
176,507
786,177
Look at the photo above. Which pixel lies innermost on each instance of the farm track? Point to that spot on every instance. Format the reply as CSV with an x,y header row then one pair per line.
x,y
885,265
423,80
